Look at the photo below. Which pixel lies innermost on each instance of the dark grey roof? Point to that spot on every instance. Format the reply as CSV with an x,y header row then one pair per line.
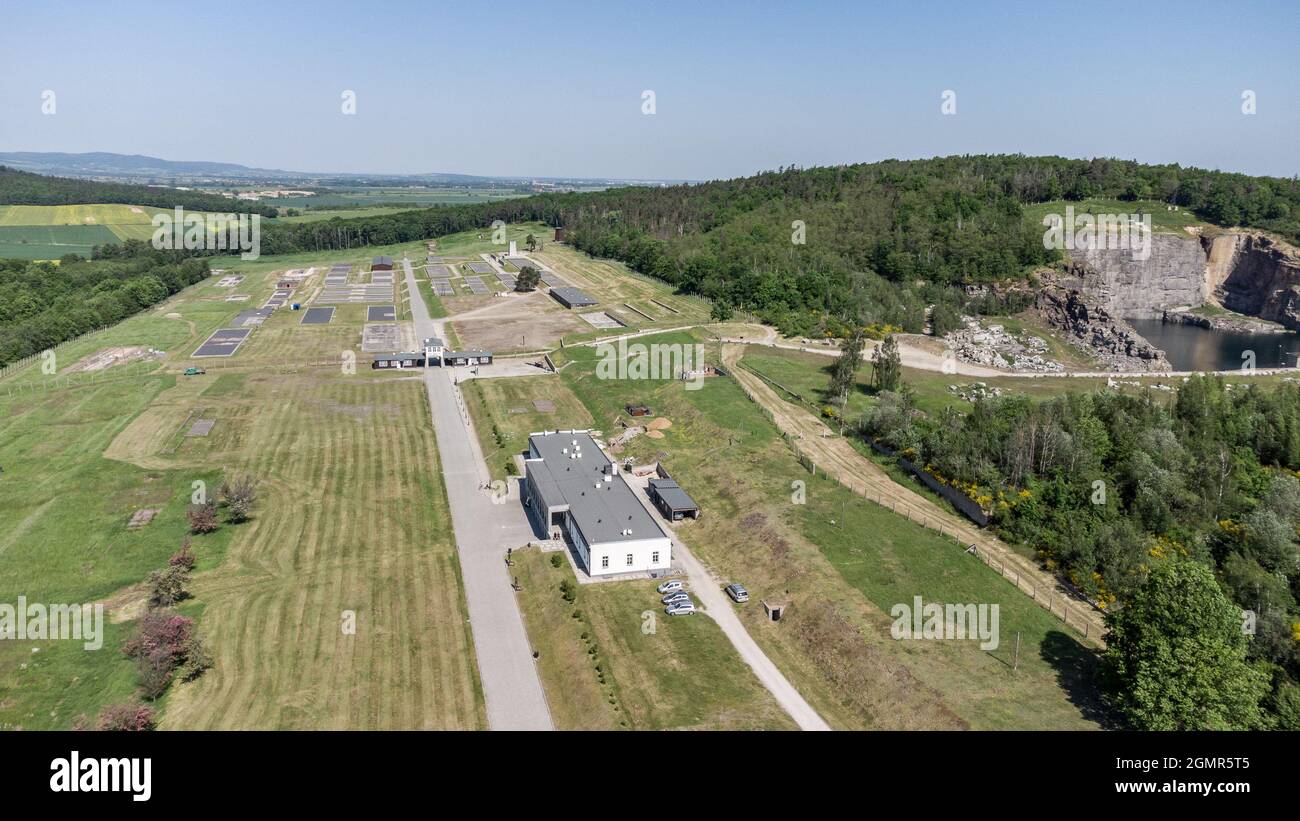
x,y
603,510
673,495
458,354
572,296
382,261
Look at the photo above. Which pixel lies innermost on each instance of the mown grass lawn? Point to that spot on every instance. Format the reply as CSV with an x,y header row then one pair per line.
x,y
649,671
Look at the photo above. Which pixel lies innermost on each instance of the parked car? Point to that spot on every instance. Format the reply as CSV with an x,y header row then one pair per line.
x,y
194,371
684,608
671,585
675,596
737,593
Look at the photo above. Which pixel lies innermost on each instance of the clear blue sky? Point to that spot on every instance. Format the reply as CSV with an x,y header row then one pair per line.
x,y
554,89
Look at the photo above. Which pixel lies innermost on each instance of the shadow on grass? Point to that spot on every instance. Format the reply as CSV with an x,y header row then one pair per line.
x,y
1078,671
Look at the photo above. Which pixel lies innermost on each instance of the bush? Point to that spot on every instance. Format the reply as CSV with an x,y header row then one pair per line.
x,y
197,659
183,558
557,560
167,587
568,591
202,518
129,717
163,643
511,470
238,495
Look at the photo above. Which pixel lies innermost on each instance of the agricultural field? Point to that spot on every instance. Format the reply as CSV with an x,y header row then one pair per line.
x,y
620,663
51,231
331,451
403,196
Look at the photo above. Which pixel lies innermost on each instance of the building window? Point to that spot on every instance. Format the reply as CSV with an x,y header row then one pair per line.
x,y
629,560
654,557
604,561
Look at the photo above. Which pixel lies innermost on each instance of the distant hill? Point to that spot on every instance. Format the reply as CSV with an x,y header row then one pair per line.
x,y
141,168
102,163
24,188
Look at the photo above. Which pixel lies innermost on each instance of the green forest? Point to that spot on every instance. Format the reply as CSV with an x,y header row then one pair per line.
x,y
24,188
43,304
818,250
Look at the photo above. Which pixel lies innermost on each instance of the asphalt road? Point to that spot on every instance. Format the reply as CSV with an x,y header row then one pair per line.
x,y
512,690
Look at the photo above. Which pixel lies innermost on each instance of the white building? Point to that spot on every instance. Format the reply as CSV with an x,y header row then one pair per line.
x,y
572,487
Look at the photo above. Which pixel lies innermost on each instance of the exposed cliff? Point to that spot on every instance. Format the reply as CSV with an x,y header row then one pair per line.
x,y
1254,274
1172,276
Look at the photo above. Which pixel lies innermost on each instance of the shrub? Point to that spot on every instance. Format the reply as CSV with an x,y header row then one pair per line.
x,y
202,518
131,716
568,591
184,558
238,495
166,587
557,560
197,659
511,470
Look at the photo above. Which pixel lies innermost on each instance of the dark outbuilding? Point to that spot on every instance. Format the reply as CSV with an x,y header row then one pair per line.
x,y
572,298
672,501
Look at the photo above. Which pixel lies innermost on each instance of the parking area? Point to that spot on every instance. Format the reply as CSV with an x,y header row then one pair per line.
x,y
381,313
223,342
318,316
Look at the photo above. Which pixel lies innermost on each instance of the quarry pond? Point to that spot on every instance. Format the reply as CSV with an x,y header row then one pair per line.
x,y
1193,348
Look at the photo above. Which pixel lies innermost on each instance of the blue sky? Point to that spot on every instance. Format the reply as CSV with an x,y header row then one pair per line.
x,y
555,89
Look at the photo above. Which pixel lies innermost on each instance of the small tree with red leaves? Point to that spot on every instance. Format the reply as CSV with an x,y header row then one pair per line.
x,y
131,716
203,518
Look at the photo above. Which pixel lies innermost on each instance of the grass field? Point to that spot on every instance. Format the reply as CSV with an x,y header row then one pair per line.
x,y
842,563
51,231
1162,219
649,671
333,453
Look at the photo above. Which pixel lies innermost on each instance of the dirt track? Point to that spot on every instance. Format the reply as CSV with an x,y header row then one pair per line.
x,y
834,455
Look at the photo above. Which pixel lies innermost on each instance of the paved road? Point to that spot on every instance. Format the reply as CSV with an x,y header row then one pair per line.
x,y
511,689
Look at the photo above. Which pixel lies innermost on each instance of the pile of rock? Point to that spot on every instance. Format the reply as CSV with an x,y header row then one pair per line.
x,y
996,348
1095,330
975,392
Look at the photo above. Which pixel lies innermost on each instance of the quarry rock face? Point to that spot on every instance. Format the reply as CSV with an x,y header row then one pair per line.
x,y
1095,329
1256,275
1246,272
1172,276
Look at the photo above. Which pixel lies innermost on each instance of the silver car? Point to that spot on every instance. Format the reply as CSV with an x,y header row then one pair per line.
x,y
673,598
671,586
684,608
737,593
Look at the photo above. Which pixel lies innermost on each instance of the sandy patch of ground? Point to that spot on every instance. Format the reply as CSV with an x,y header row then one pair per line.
x,y
108,358
516,323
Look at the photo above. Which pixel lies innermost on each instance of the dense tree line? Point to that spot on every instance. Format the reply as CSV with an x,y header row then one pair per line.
x,y
43,304
24,188
1108,486
823,249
